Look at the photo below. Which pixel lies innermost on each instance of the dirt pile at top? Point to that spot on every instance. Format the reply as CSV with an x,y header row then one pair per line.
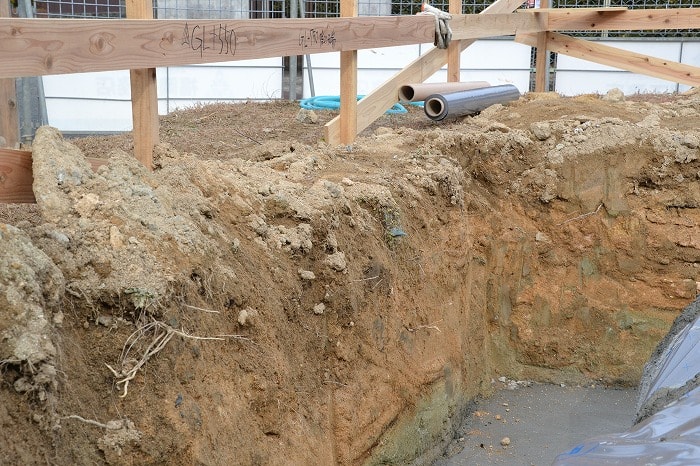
x,y
292,303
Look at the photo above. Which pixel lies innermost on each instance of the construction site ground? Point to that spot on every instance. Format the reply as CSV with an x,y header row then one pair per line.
x,y
263,297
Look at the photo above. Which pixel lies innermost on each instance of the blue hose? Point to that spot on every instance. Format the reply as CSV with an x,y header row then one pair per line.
x,y
332,102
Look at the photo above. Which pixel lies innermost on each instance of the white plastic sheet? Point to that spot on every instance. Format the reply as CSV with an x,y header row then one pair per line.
x,y
667,431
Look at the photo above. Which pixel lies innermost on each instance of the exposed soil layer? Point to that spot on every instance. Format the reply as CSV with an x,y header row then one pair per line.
x,y
263,297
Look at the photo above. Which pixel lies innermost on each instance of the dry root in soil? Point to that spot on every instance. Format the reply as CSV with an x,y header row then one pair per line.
x,y
160,334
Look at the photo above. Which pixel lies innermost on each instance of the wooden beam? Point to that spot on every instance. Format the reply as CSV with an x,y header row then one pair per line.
x,y
597,10
16,176
454,50
494,25
542,54
599,19
144,95
617,58
35,47
144,114
374,104
9,119
348,83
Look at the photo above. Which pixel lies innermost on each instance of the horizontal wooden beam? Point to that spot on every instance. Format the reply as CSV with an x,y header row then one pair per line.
x,y
35,47
617,58
16,176
600,10
493,25
32,47
595,19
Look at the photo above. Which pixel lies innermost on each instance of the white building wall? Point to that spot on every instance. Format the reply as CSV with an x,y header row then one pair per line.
x,y
100,102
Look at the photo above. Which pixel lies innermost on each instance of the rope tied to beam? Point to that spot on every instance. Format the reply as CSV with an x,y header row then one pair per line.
x,y
443,33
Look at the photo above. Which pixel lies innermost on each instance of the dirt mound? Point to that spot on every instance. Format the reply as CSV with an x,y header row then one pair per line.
x,y
263,298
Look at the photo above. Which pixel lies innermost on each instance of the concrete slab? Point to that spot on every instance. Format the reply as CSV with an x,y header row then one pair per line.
x,y
540,422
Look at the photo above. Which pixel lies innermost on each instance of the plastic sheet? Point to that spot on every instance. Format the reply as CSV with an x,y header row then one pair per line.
x,y
469,102
667,431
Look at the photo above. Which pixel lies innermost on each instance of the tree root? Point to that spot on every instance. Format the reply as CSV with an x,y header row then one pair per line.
x,y
162,334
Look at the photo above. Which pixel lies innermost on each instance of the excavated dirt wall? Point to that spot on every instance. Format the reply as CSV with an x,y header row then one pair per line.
x,y
295,303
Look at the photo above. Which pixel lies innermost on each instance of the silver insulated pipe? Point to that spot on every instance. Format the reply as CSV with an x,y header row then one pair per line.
x,y
469,102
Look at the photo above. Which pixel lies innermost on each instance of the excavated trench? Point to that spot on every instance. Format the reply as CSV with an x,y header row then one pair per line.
x,y
310,305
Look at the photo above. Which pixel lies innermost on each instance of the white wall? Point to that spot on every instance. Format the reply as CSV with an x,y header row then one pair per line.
x,y
101,101
481,62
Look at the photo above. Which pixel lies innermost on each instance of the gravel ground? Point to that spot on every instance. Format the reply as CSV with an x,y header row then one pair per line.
x,y
531,425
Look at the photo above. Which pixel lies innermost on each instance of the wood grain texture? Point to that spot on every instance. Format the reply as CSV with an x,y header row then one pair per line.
x,y
617,58
542,54
16,175
494,25
454,50
33,47
602,10
144,95
348,83
36,47
374,104
636,20
9,120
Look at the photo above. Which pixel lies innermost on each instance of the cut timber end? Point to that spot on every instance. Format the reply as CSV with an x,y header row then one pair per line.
x,y
16,176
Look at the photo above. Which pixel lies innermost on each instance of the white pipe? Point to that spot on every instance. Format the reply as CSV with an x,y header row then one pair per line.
x,y
419,91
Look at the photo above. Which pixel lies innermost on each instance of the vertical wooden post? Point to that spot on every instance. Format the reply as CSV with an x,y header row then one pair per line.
x,y
348,83
542,57
144,95
9,117
454,49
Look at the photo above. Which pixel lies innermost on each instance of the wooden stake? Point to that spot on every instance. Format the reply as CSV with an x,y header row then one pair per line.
x,y
348,83
144,95
454,50
542,57
9,119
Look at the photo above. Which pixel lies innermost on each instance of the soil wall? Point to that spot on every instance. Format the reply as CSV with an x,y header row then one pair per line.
x,y
308,304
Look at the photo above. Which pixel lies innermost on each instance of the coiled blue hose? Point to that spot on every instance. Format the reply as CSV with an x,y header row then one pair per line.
x,y
332,102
